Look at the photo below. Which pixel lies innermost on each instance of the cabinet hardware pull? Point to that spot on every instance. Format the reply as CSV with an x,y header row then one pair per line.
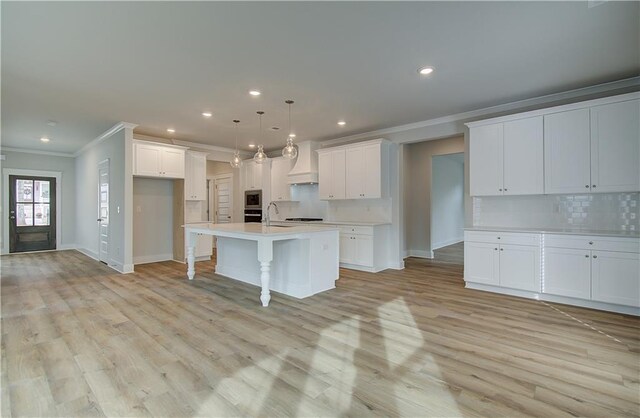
x,y
499,190
593,186
586,256
501,249
590,242
595,256
505,189
587,186
495,249
498,237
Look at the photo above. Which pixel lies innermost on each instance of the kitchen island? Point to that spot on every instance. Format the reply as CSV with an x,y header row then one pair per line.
x,y
298,261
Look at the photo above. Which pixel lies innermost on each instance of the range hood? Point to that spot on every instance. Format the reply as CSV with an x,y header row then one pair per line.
x,y
306,169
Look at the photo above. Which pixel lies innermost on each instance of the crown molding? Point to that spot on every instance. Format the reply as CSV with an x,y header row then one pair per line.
x,y
35,151
633,82
208,147
115,128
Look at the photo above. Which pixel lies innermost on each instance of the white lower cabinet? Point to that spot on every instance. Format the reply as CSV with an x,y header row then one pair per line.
x,y
356,249
567,272
615,277
494,263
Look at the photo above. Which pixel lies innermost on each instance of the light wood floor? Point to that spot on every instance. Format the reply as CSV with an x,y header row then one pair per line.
x,y
453,254
79,340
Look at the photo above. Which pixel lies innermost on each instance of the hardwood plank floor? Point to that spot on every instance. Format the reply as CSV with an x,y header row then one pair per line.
x,y
79,339
453,254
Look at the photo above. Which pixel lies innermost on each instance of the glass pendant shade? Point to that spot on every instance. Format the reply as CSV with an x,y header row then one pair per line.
x,y
236,161
260,156
290,151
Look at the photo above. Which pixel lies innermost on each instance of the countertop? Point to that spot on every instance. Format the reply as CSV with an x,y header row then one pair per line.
x,y
354,223
565,231
253,229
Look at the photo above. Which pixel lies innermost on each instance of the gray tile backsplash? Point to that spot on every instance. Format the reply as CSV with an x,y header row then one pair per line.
x,y
598,211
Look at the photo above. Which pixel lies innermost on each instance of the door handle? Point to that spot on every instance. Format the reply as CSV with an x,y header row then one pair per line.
x,y
12,217
99,220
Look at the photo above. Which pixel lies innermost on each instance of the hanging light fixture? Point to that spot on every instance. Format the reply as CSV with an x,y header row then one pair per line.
x,y
290,151
236,161
260,156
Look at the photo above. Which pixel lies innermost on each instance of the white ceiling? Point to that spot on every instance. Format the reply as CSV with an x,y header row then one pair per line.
x,y
89,65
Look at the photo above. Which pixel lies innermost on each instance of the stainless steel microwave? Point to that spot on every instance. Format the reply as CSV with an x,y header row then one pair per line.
x,y
253,199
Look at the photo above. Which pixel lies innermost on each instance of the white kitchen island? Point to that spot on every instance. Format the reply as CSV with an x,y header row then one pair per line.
x,y
298,261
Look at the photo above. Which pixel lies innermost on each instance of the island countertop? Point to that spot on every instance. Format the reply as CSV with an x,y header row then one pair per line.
x,y
253,229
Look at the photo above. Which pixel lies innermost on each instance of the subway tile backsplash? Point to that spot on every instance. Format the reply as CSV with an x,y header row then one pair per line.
x,y
598,211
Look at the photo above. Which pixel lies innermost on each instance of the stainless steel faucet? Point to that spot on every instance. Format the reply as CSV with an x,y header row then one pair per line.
x,y
268,218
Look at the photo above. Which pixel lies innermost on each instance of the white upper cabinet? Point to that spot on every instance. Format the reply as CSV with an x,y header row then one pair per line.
x,y
567,152
157,160
363,172
507,158
356,171
280,188
615,147
196,176
485,165
331,174
252,177
523,157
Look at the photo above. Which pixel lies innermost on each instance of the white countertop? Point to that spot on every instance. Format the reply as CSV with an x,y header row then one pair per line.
x,y
253,229
354,223
567,231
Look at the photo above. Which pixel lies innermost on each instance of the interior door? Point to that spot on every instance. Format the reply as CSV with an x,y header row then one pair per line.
x,y
103,211
223,200
32,213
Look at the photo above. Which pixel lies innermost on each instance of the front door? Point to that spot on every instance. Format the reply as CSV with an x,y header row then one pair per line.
x,y
103,211
32,213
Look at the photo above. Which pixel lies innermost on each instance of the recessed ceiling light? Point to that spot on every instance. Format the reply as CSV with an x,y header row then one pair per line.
x,y
171,130
206,114
425,70
292,135
342,123
45,139
254,92
252,145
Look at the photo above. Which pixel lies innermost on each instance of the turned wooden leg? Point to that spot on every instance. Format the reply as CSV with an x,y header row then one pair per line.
x,y
265,275
191,262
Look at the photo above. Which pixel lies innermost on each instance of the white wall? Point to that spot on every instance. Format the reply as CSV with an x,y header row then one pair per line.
x,y
447,200
152,220
39,162
117,147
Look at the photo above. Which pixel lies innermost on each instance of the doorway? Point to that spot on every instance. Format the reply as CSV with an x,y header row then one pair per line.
x,y
447,206
32,213
221,199
103,211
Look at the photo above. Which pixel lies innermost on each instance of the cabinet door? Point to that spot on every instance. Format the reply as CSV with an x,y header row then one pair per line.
x,y
338,161
247,174
355,173
347,248
520,267
280,189
257,175
567,272
364,250
325,175
523,157
615,277
615,147
172,161
196,177
567,152
204,245
486,156
372,171
147,162
481,263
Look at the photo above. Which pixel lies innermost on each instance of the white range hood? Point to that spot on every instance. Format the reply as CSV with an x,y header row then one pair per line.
x,y
306,169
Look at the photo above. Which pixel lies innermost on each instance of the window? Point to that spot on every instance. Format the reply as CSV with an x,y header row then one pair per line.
x,y
33,205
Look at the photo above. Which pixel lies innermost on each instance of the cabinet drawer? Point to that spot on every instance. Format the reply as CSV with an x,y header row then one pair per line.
x,y
502,237
586,242
358,230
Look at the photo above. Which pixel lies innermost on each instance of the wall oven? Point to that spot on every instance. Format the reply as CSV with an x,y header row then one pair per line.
x,y
253,199
253,215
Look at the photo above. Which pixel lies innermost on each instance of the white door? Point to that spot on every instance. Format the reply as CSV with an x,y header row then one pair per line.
x,y
615,147
258,170
615,277
196,177
567,272
567,155
147,160
364,250
103,211
280,189
325,175
486,153
481,263
338,163
520,267
372,174
523,157
222,200
173,163
347,248
354,173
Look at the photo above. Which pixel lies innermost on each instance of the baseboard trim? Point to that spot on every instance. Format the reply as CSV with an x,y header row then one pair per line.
x,y
420,254
146,259
88,253
446,243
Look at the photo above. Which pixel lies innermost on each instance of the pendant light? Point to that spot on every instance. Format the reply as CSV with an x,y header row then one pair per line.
x,y
260,156
290,151
236,161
